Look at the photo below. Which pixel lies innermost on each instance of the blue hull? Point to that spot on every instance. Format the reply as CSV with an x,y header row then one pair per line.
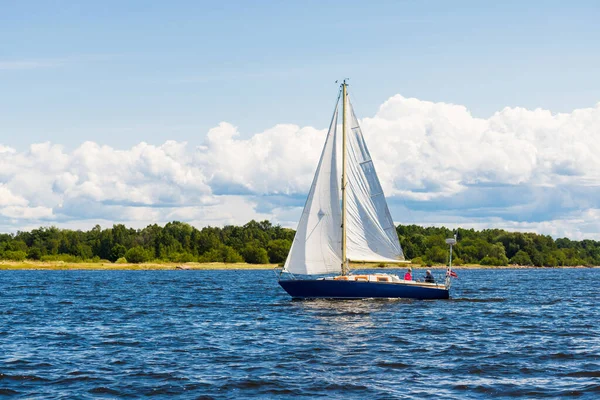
x,y
330,289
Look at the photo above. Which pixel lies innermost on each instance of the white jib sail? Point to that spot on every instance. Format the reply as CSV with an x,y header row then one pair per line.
x,y
371,234
316,248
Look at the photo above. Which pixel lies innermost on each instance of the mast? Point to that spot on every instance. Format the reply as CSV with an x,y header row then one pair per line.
x,y
344,180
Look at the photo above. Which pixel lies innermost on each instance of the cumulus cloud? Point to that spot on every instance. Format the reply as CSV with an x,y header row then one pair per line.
x,y
7,198
280,160
518,169
94,181
439,149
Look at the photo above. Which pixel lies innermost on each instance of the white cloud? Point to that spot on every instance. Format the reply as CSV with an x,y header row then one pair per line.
x,y
6,150
94,181
518,169
27,213
280,160
434,149
7,198
227,210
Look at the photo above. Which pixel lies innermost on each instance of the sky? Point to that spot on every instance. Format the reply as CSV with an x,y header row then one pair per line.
x,y
478,114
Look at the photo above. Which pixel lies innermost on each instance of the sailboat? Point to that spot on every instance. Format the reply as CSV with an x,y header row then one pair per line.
x,y
334,234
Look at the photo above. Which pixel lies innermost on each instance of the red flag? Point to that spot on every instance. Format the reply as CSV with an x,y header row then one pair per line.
x,y
452,274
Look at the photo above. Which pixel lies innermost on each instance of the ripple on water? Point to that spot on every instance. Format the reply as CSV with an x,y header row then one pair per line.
x,y
105,390
392,365
236,334
583,374
475,300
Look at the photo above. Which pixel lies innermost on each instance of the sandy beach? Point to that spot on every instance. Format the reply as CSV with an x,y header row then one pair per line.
x,y
60,265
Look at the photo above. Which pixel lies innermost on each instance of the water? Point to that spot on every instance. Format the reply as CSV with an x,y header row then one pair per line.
x,y
236,334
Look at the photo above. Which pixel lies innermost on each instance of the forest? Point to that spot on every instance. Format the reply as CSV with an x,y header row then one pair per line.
x,y
263,242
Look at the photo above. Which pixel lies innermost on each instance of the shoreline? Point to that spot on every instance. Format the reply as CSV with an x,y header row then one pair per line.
x,y
106,266
64,266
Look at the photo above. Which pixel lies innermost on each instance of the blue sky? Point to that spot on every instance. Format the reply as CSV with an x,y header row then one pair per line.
x,y
123,72
478,113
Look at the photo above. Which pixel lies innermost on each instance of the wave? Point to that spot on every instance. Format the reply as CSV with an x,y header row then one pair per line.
x,y
478,300
105,390
583,374
32,378
127,337
132,343
393,365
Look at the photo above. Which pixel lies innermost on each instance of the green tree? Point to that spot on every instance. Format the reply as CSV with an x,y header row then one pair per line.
x,y
521,258
207,239
497,252
560,257
118,251
255,255
278,250
34,253
436,255
182,257
417,260
223,253
537,258
137,255
15,255
487,260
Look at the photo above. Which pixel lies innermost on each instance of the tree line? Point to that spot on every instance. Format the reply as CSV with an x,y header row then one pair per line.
x,y
263,242
255,242
495,247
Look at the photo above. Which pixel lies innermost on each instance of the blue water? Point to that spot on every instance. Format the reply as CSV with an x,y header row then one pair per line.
x,y
236,334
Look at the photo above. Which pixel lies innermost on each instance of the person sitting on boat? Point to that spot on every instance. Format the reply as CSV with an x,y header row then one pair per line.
x,y
429,277
408,275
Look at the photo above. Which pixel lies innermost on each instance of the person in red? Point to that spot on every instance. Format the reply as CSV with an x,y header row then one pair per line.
x,y
408,275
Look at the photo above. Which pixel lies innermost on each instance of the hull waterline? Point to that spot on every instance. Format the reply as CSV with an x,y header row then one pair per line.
x,y
332,289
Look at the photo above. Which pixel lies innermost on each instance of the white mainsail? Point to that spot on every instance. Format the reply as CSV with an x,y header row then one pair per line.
x,y
317,245
371,234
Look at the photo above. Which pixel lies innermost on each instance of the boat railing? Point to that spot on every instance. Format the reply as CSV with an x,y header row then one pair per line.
x,y
280,272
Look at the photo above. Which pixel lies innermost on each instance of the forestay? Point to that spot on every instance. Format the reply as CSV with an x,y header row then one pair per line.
x,y
371,234
316,248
